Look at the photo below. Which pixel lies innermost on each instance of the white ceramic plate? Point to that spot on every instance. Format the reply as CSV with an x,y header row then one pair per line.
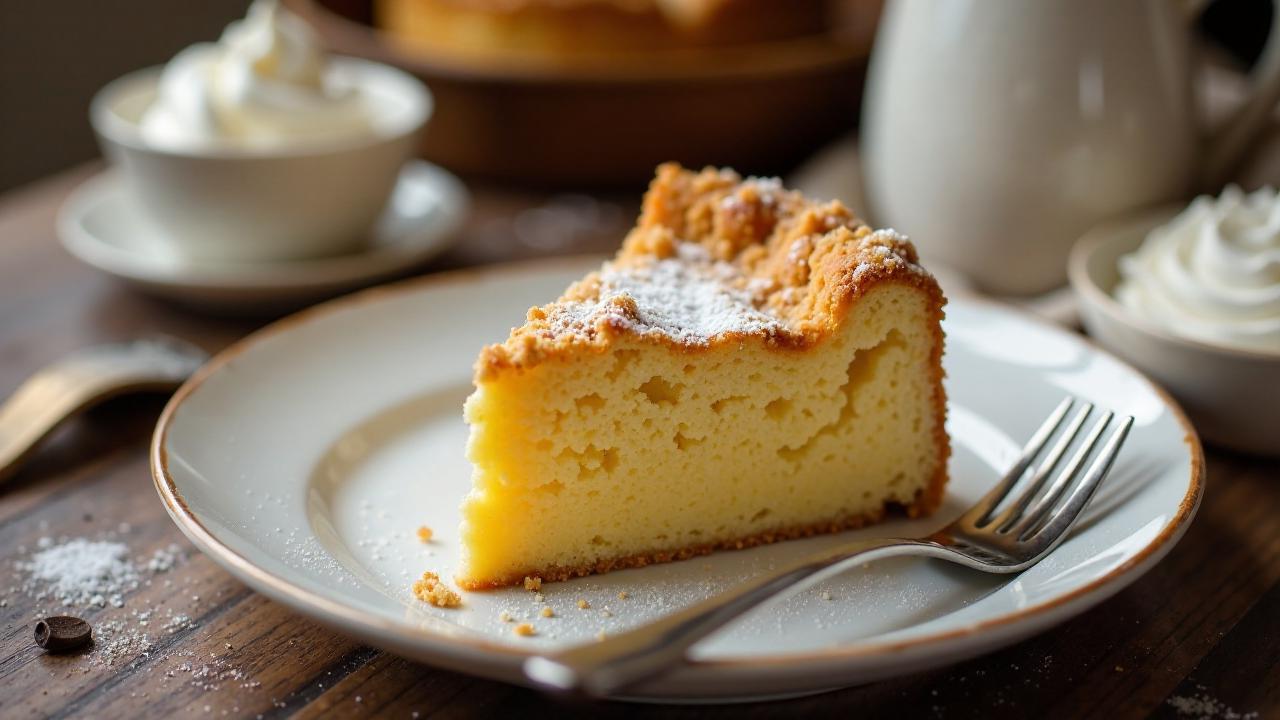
x,y
304,458
101,225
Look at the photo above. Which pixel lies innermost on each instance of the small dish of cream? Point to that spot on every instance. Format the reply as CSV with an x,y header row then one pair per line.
x,y
1190,294
1212,273
265,83
262,146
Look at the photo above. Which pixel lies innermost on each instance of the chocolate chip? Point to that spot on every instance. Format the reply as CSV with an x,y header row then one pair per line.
x,y
61,633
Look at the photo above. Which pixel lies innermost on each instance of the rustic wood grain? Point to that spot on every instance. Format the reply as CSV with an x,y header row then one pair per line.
x,y
1204,623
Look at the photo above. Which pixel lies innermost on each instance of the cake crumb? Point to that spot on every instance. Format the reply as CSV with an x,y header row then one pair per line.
x,y
425,533
504,616
583,604
532,584
524,630
429,589
548,612
622,595
826,595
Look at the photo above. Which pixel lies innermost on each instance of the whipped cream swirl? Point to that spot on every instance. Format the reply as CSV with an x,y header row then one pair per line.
x,y
265,83
1213,272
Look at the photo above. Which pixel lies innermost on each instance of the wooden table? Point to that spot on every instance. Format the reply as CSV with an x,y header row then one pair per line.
x,y
1204,625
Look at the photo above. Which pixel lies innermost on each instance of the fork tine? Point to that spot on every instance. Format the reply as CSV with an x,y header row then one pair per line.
x,y
979,513
1010,515
1063,482
1058,517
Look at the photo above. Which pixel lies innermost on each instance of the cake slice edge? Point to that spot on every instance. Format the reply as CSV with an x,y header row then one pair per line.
x,y
766,233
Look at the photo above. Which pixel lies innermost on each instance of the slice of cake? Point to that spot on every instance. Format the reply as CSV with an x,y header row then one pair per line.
x,y
753,366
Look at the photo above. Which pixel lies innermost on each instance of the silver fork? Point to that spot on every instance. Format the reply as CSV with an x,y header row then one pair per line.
x,y
995,535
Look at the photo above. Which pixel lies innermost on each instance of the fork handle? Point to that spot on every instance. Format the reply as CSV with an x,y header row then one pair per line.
x,y
619,661
84,378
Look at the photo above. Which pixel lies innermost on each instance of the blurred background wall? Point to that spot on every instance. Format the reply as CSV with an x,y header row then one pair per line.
x,y
55,54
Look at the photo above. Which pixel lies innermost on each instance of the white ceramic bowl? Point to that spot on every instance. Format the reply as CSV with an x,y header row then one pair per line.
x,y
251,204
1232,395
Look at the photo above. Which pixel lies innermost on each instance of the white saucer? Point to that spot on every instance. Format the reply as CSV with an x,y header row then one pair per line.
x,y
100,224
303,459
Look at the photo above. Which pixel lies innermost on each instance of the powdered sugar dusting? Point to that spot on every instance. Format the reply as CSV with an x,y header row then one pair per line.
x,y
1206,707
881,245
83,572
766,189
689,298
100,575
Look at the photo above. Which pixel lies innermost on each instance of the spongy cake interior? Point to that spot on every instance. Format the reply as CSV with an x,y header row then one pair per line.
x,y
752,367
635,453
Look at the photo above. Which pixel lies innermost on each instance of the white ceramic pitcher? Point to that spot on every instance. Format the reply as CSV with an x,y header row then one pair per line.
x,y
995,132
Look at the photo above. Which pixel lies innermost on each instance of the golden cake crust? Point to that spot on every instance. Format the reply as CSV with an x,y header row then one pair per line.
x,y
685,12
803,264
558,573
574,27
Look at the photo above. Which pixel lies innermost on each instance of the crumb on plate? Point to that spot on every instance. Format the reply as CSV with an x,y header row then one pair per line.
x,y
424,533
524,630
532,584
429,589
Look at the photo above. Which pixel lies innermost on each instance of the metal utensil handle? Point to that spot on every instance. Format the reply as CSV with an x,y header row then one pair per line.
x,y
84,378
623,660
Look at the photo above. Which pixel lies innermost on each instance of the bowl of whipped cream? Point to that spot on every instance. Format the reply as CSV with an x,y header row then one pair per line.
x,y
1191,295
260,146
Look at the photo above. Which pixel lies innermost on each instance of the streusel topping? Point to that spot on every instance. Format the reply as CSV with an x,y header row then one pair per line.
x,y
690,299
715,258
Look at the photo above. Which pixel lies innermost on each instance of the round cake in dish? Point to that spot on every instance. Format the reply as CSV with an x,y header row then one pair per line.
x,y
572,29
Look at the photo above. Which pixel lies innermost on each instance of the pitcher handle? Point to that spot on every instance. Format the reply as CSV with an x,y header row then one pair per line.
x,y
1226,145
